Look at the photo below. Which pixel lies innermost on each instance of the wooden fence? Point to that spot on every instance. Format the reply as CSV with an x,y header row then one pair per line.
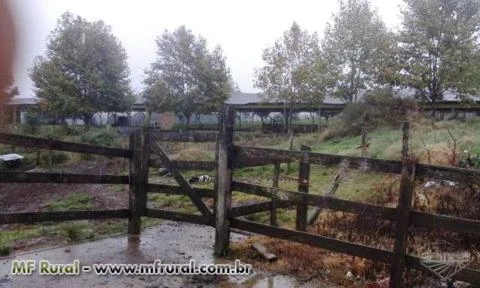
x,y
64,178
224,216
403,216
138,154
297,128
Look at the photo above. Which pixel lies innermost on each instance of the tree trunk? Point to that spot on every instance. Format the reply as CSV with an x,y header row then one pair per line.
x,y
187,121
87,120
434,107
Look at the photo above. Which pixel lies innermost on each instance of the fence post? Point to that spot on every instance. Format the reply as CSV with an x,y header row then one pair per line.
x,y
273,209
403,212
140,148
364,145
303,183
223,199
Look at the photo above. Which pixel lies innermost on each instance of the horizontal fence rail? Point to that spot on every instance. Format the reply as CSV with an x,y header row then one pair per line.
x,y
252,156
417,218
178,216
26,141
185,136
185,165
178,190
32,217
315,240
367,252
248,209
65,178
316,200
435,222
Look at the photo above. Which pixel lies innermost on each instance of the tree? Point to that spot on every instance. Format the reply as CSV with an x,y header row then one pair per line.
x,y
84,71
439,47
186,78
358,48
294,72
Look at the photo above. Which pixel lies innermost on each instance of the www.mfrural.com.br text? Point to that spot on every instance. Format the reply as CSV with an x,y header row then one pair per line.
x,y
45,267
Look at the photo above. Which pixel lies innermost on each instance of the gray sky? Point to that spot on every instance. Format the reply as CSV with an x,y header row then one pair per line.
x,y
242,28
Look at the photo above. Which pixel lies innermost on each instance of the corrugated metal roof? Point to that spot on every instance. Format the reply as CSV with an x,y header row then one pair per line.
x,y
22,101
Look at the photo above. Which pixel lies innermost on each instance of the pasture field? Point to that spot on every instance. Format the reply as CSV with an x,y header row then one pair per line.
x,y
442,143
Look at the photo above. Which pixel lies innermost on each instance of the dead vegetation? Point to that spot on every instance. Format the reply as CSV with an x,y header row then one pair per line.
x,y
309,262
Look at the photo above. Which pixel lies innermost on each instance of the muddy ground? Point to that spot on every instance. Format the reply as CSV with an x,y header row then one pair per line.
x,y
29,197
170,242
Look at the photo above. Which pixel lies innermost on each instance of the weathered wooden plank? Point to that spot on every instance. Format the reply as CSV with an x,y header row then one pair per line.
x,y
317,200
140,147
262,250
223,199
315,240
407,184
330,193
417,218
435,222
186,136
178,190
242,210
178,216
273,209
253,156
186,165
456,174
181,180
27,141
66,178
467,275
303,183
32,217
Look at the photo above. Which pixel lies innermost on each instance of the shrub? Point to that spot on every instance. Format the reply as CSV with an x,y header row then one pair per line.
x,y
71,130
32,123
73,231
383,108
100,137
56,157
5,249
378,108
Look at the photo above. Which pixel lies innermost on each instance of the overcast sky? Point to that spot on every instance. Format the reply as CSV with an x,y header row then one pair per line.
x,y
242,28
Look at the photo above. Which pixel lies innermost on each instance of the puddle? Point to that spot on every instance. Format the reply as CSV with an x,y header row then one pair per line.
x,y
170,242
271,281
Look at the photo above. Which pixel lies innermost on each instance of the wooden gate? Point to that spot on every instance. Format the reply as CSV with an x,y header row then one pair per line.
x,y
149,143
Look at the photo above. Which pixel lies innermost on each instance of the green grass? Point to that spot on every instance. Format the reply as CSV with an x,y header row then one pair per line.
x,y
21,232
357,185
384,143
75,201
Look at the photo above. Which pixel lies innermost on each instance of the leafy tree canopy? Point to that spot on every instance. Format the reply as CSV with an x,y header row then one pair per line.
x,y
294,71
83,72
187,78
439,47
358,48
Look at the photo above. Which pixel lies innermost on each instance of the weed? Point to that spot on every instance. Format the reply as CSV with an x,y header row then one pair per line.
x,y
74,232
75,201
